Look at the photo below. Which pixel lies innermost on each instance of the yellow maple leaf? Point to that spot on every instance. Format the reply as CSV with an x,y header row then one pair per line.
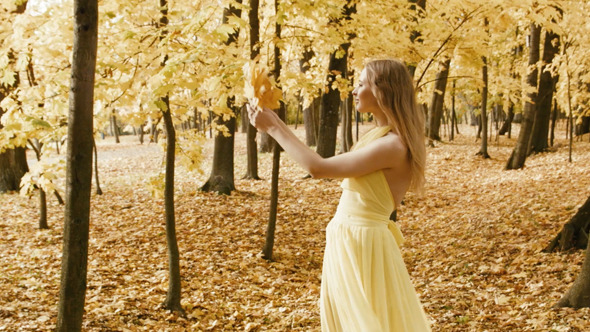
x,y
260,90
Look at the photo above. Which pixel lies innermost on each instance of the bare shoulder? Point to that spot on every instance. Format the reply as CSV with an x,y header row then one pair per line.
x,y
393,144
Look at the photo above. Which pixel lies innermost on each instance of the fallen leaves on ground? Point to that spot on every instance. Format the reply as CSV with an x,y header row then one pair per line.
x,y
473,245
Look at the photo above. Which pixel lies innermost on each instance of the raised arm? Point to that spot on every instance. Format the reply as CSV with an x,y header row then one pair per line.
x,y
384,153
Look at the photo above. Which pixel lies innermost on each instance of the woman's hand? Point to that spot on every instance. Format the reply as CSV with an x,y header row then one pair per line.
x,y
264,120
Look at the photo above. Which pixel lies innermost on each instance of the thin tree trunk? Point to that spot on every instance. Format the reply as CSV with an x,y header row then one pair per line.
x,y
98,189
141,133
115,127
453,114
436,106
553,121
309,120
173,295
251,148
519,153
79,168
346,125
484,113
42,210
276,157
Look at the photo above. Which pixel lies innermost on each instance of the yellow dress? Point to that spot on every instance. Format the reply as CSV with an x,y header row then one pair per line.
x,y
365,283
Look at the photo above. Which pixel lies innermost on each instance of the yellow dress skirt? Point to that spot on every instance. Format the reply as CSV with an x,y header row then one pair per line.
x,y
365,283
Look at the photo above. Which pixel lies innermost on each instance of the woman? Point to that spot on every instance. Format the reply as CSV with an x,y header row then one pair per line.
x,y
365,284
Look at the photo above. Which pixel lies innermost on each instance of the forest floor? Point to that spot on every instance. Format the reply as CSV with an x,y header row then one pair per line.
x,y
473,244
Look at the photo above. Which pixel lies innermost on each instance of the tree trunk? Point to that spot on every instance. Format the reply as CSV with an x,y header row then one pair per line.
x,y
276,157
98,189
507,124
436,106
484,112
266,143
141,133
545,96
326,143
221,179
554,115
43,210
13,165
173,295
346,125
415,34
115,127
453,113
578,296
574,233
519,154
251,148
79,168
172,301
309,120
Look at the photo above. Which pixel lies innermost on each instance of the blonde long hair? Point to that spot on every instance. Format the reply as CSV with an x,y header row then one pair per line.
x,y
393,87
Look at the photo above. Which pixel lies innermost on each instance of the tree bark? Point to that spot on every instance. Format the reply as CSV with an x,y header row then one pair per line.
x,y
309,118
346,125
221,179
173,295
415,34
574,233
96,179
507,124
578,296
43,210
435,110
554,115
276,157
328,130
545,96
13,165
484,113
13,162
115,127
251,148
79,168
310,115
519,154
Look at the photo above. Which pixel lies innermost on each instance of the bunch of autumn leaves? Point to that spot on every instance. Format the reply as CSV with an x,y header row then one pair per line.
x,y
260,89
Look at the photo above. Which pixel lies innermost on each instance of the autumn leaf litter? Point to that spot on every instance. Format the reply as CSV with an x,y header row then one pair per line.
x,y
473,245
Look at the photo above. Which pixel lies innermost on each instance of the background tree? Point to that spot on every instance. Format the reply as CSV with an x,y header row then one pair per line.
x,y
221,179
337,68
574,235
547,81
13,160
276,153
252,167
79,168
518,156
173,294
435,110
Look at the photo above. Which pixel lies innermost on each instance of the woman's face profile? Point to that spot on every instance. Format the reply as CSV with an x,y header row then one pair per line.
x,y
363,96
